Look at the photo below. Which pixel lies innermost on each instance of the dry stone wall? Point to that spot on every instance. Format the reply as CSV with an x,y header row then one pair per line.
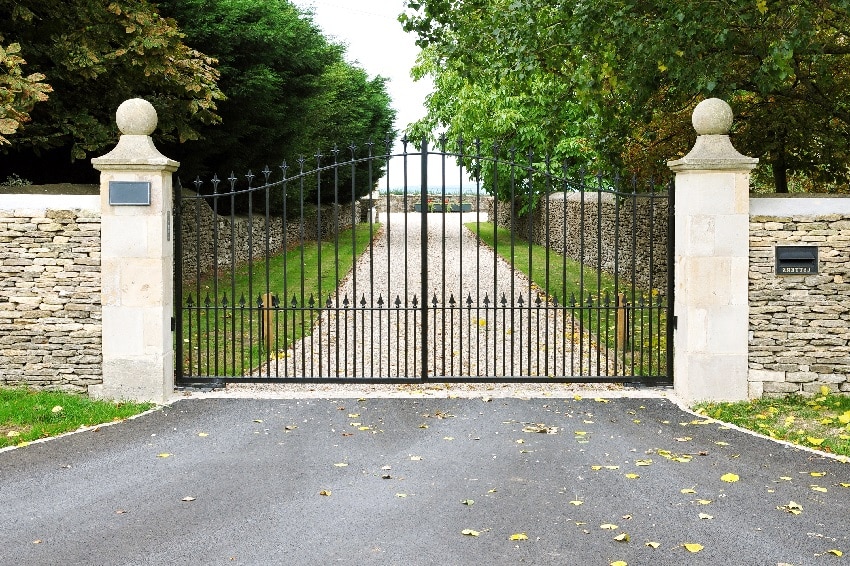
x,y
799,324
209,239
627,236
50,321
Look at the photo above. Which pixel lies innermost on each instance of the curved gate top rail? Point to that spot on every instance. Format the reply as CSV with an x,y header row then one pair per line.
x,y
423,265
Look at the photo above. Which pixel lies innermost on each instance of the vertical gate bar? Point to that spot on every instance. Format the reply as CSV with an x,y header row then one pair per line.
x,y
284,293
215,279
354,226
405,263
565,251
250,274
512,230
633,231
531,206
582,229
335,228
599,264
198,202
445,218
301,235
423,234
267,315
320,297
177,223
617,330
460,256
547,244
651,283
671,284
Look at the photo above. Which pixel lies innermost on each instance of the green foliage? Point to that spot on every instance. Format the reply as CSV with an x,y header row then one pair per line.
x,y
634,71
290,92
27,415
95,55
18,93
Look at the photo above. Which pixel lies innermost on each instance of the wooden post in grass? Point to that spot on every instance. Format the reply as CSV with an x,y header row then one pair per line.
x,y
267,329
622,321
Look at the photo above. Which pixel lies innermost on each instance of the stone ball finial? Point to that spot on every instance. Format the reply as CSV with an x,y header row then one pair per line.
x,y
712,116
136,117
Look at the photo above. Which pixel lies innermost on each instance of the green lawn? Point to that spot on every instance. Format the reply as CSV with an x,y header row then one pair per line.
x,y
592,296
27,415
223,337
821,422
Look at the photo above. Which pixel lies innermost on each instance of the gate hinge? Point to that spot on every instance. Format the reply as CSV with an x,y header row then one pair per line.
x,y
173,324
675,321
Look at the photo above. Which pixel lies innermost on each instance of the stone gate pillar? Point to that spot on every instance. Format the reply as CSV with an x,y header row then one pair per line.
x,y
711,261
136,261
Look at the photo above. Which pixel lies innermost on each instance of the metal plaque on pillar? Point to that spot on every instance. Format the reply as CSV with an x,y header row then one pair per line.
x,y
129,193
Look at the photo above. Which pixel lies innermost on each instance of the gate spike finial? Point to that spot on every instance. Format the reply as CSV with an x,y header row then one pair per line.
x,y
266,172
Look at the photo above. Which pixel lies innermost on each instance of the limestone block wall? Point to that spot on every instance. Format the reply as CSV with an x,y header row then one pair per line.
x,y
799,324
50,315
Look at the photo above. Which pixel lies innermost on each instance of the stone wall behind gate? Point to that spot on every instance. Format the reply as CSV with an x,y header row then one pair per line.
x,y
628,237
243,238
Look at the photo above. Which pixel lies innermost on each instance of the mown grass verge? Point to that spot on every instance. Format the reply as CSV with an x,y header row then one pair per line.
x,y
222,320
27,415
592,295
821,422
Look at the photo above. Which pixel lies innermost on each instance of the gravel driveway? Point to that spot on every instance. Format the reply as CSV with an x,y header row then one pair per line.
x,y
485,319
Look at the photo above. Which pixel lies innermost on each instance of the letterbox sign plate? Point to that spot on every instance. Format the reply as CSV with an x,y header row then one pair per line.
x,y
130,193
796,260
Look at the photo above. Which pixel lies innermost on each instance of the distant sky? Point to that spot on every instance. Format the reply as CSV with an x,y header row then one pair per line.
x,y
376,42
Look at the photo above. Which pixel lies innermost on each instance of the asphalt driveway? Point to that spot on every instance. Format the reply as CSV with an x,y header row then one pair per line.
x,y
399,481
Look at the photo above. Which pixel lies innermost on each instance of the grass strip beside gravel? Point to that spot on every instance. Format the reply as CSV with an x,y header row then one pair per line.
x,y
27,415
821,422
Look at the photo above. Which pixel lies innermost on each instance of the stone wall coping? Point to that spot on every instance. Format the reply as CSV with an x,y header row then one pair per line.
x,y
50,202
802,205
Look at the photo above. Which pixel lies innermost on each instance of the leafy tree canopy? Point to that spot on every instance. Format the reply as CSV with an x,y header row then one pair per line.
x,y
631,72
290,91
93,55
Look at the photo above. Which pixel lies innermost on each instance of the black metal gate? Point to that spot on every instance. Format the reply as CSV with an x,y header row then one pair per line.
x,y
498,269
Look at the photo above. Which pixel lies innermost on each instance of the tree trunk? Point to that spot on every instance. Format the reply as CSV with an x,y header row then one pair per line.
x,y
780,172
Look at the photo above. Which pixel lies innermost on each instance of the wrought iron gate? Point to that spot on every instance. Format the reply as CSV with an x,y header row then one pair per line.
x,y
500,269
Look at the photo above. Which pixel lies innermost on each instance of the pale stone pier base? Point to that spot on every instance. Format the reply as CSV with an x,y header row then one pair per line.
x,y
712,262
136,265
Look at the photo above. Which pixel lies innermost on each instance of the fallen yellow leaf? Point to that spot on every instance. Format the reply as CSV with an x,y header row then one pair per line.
x,y
325,492
835,552
576,502
632,476
619,563
622,537
687,490
470,533
693,546
519,536
608,527
652,544
729,478
163,455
